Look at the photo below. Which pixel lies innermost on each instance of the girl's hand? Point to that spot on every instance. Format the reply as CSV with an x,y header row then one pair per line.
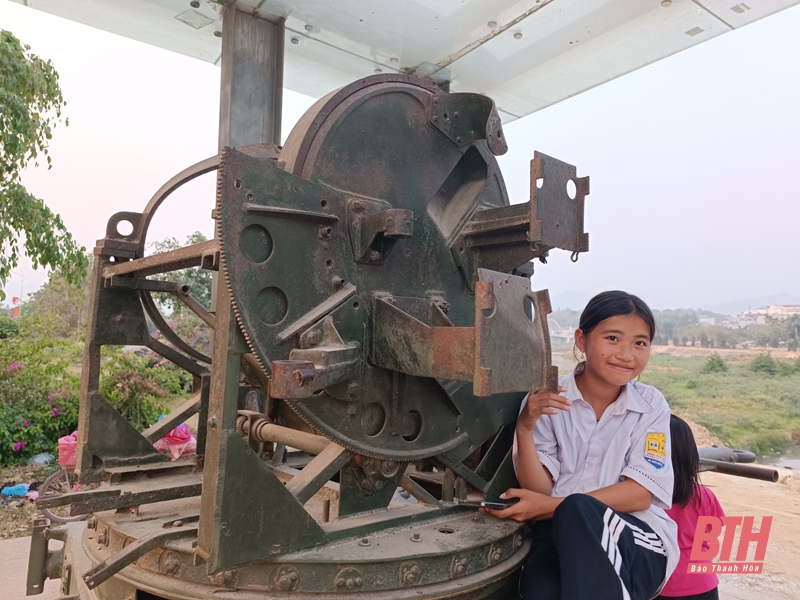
x,y
540,403
531,506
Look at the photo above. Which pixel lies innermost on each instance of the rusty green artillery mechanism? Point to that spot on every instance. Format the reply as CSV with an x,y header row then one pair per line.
x,y
374,333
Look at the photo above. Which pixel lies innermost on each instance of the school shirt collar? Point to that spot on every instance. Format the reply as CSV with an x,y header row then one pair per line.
x,y
629,399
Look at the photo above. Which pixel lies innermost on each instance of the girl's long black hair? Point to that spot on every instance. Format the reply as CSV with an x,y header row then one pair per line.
x,y
614,303
685,462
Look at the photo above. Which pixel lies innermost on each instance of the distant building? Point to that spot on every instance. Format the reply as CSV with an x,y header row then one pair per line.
x,y
745,319
783,311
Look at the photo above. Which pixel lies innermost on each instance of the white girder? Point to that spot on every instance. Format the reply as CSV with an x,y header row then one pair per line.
x,y
525,54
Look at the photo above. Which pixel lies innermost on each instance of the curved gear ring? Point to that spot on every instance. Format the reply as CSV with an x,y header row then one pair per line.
x,y
297,269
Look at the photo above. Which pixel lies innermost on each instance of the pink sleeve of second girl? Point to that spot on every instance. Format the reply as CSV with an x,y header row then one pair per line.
x,y
710,506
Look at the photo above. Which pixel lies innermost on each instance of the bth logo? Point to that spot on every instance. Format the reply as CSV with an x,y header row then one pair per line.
x,y
707,545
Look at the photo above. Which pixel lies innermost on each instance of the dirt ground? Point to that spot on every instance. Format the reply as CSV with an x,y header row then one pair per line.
x,y
16,514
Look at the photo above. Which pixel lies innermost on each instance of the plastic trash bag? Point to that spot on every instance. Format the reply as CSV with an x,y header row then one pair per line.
x,y
21,489
41,459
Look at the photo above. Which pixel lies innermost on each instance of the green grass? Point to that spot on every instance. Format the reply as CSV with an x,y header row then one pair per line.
x,y
745,409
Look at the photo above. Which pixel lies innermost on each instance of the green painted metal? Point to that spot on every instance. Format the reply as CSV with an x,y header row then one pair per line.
x,y
365,487
375,293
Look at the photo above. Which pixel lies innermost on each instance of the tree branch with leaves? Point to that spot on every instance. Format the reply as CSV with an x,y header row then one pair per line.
x,y
31,101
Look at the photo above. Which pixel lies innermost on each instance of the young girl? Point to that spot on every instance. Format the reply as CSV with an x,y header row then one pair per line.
x,y
689,501
595,470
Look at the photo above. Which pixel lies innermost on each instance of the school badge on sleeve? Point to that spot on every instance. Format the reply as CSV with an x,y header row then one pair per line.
x,y
655,449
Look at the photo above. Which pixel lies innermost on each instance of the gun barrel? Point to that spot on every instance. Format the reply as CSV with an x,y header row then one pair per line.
x,y
740,470
727,454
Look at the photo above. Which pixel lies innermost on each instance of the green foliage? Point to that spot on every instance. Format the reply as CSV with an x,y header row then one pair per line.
x,y
62,304
198,279
742,407
715,364
667,321
38,391
764,363
8,327
39,385
138,385
31,103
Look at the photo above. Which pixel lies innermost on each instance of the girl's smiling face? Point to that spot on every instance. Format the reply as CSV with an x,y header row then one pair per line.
x,y
617,349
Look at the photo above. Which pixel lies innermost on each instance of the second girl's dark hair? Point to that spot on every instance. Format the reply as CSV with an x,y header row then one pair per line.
x,y
614,303
685,462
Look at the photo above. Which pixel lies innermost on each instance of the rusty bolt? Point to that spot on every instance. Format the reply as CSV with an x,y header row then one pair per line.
x,y
455,114
411,575
435,118
212,422
374,256
459,566
287,580
119,319
92,522
458,139
353,389
337,281
223,578
358,206
416,537
275,549
170,566
364,542
103,538
314,337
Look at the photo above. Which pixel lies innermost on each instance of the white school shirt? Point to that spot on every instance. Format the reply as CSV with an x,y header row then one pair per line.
x,y
631,440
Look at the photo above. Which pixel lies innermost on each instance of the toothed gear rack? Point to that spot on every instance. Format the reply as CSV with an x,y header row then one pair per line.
x,y
374,333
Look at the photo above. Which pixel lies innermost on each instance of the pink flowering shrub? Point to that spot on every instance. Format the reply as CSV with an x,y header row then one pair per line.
x,y
38,391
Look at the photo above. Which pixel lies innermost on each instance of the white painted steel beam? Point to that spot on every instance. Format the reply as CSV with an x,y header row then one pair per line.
x,y
526,54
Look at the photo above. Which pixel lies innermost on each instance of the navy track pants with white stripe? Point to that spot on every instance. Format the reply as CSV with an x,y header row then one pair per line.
x,y
588,551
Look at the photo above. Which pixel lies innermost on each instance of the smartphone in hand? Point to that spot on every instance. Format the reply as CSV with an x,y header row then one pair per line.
x,y
486,504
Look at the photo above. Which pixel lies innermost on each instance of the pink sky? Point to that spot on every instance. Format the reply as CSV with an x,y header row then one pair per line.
x,y
692,159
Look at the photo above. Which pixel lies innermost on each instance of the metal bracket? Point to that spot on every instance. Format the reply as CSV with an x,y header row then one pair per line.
x,y
375,227
133,551
38,557
323,360
506,237
557,218
502,353
467,118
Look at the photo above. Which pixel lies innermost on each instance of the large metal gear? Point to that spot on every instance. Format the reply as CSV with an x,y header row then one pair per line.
x,y
366,201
